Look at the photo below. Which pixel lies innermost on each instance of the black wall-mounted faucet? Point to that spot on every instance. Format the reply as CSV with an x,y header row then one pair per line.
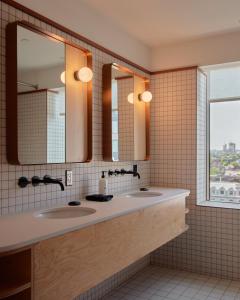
x,y
47,180
36,180
116,172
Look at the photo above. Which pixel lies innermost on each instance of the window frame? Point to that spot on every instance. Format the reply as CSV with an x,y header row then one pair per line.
x,y
115,110
208,137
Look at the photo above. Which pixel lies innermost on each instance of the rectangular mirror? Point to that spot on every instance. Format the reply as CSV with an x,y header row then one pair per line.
x,y
49,106
125,117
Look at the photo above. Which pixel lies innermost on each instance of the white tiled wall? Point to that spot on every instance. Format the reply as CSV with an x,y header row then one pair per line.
x,y
32,127
212,243
173,126
85,176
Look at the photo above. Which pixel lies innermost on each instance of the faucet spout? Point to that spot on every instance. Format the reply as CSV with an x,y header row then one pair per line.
x,y
135,171
137,174
47,179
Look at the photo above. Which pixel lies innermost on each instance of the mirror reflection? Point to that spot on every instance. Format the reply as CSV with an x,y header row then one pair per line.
x,y
41,98
122,115
126,113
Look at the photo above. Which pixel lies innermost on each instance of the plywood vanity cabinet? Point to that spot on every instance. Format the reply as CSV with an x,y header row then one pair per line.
x,y
16,274
64,266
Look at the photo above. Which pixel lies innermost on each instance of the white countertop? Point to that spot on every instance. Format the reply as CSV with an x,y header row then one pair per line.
x,y
24,229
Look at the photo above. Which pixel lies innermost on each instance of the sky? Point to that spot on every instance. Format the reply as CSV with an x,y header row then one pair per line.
x,y
224,116
224,124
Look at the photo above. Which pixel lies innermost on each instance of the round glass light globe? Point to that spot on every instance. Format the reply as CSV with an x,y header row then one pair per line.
x,y
146,96
130,98
63,77
85,74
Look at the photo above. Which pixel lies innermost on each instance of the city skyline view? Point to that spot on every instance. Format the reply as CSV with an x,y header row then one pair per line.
x,y
225,174
224,124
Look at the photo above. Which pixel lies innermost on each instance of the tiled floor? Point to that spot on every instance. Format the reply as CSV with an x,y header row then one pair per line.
x,y
155,283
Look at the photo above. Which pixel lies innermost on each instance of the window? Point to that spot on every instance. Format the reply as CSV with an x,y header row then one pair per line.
x,y
224,133
114,120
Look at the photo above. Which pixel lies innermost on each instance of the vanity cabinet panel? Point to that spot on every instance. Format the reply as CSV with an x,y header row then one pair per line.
x,y
70,264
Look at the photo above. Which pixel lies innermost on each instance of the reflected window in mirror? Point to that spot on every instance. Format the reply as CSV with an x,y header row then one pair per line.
x,y
115,120
41,98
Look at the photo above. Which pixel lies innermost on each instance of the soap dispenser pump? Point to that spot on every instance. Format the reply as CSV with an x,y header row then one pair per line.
x,y
103,184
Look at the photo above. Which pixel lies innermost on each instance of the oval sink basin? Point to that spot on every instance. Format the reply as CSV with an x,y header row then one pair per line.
x,y
65,212
144,194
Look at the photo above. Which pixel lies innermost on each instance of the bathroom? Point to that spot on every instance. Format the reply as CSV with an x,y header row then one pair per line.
x,y
171,230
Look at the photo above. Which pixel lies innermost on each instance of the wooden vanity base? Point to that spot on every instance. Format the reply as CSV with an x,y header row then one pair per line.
x,y
70,264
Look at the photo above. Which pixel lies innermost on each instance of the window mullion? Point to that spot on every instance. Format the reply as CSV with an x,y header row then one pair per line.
x,y
215,100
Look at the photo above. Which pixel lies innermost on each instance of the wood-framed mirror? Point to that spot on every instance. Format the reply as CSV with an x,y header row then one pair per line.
x,y
126,119
49,98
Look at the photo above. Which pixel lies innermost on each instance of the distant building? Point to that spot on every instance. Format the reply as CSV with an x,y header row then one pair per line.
x,y
225,192
230,148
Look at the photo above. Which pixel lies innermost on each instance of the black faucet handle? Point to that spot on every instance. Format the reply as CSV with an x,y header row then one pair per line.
x,y
117,171
135,168
36,180
110,172
23,182
47,179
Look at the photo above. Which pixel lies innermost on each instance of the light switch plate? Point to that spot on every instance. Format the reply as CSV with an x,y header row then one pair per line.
x,y
68,177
